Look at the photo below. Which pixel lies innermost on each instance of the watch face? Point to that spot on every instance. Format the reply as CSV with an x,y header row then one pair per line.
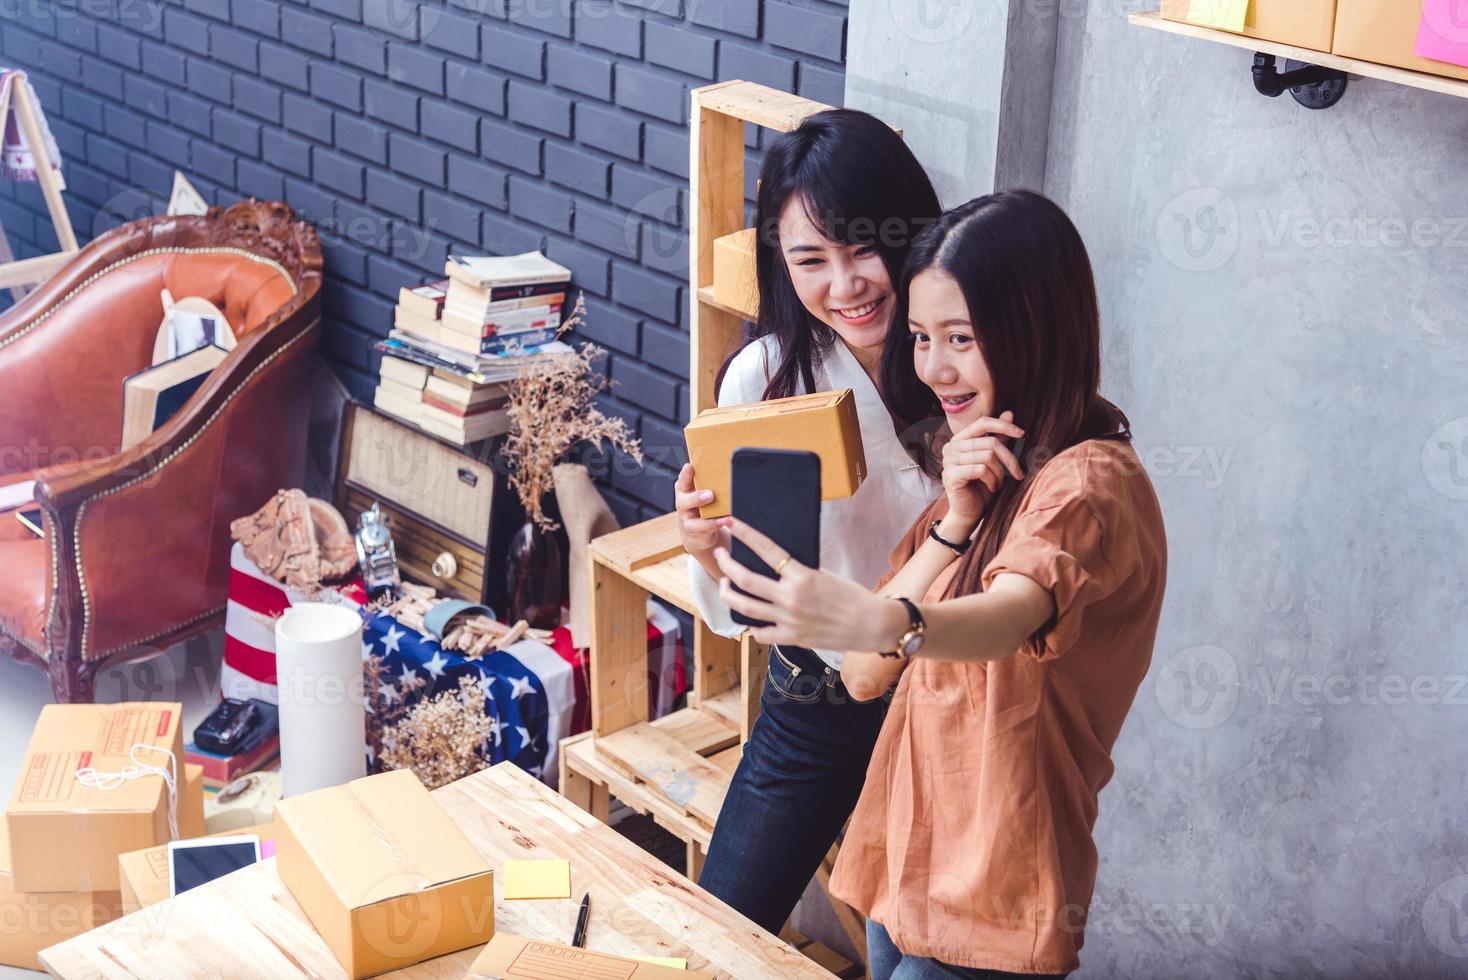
x,y
912,645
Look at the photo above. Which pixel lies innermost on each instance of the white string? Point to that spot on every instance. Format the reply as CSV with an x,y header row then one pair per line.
x,y
138,769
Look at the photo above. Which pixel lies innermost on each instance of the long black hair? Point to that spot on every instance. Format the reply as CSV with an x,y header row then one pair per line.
x,y
1031,297
860,185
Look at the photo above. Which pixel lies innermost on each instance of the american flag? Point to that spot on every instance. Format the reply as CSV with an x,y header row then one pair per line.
x,y
529,689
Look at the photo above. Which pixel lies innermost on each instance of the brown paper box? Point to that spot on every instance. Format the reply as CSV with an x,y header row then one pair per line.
x,y
1306,23
824,423
383,873
29,922
144,874
510,957
64,835
734,278
1385,31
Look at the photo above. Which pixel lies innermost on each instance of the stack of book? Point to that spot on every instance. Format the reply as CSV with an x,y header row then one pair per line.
x,y
502,304
442,402
420,308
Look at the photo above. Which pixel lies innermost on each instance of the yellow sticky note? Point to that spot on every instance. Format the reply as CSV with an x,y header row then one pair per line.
x,y
537,879
1226,15
674,962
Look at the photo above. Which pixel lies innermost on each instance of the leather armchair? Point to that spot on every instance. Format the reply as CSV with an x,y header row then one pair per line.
x,y
135,555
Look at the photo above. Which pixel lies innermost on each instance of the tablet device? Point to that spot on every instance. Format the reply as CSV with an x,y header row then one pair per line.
x,y
191,863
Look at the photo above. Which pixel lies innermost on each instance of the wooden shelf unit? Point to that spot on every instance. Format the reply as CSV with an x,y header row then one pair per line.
x,y
677,768
1351,66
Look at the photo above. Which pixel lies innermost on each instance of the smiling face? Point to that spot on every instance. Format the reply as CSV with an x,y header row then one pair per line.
x,y
946,351
846,287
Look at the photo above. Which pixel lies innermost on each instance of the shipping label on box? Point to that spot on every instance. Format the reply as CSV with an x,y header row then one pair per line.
x,y
824,423
65,834
383,873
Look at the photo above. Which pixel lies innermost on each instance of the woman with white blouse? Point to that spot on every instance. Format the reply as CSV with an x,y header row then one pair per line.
x,y
840,200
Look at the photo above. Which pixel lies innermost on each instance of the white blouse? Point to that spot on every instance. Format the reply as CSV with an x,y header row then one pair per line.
x,y
859,532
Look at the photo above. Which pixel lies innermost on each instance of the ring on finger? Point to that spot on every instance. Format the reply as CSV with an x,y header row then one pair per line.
x,y
780,565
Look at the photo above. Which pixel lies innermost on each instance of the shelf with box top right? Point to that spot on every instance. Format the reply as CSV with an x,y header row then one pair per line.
x,y
1351,66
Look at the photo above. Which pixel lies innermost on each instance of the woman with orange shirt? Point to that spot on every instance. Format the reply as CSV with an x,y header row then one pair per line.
x,y
1019,620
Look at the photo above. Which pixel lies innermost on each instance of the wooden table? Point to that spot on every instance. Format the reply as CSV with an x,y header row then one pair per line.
x,y
248,925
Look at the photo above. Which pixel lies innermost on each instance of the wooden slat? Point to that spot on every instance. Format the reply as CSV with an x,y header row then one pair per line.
x,y
728,707
707,298
715,662
758,104
583,759
754,662
684,778
716,188
698,731
640,545
248,925
26,272
668,580
1353,66
618,649
728,760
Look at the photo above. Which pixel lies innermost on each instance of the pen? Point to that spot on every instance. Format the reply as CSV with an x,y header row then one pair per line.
x,y
579,939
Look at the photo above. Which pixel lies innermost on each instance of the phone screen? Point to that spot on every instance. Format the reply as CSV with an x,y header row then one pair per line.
x,y
194,865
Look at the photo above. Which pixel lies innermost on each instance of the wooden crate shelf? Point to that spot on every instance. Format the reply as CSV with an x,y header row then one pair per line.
x,y
677,769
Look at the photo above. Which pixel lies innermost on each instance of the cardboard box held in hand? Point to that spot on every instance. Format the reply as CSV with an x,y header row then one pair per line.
x,y
383,873
65,835
824,423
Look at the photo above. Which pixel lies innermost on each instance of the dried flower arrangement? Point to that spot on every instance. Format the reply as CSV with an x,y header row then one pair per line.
x,y
552,409
441,738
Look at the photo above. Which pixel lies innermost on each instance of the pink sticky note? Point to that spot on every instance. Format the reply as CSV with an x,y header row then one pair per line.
x,y
267,848
1443,35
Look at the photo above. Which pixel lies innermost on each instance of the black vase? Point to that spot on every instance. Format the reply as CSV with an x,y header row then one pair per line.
x,y
537,577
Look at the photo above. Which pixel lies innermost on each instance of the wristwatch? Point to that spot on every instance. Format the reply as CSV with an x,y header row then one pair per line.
x,y
911,641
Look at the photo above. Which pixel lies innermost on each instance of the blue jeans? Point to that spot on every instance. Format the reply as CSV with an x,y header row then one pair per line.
x,y
798,781
886,962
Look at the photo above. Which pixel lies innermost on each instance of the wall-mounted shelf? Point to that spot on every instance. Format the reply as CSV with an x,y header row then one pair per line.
x,y
1323,59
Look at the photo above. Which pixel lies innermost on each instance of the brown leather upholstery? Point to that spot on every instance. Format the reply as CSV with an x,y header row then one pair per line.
x,y
136,554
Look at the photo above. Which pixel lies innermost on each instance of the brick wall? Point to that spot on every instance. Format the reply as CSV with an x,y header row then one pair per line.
x,y
401,128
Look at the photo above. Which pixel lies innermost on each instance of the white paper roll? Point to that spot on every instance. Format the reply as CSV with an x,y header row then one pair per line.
x,y
323,721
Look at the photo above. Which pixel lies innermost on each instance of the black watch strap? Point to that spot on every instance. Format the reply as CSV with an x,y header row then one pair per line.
x,y
959,547
916,625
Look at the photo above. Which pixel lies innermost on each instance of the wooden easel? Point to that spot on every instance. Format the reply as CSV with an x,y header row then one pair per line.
x,y
27,272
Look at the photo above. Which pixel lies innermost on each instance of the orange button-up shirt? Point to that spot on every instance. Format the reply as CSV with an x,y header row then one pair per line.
x,y
972,840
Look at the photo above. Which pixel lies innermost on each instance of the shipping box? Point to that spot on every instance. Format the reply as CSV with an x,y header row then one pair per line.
x,y
66,835
383,873
1385,31
824,423
1305,23
31,921
735,285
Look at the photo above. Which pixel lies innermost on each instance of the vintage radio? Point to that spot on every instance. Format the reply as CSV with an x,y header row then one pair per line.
x,y
450,509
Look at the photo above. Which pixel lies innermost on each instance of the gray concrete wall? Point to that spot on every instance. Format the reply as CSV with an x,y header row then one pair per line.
x,y
1283,294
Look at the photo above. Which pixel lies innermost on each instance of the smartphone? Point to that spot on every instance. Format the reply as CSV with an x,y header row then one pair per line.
x,y
778,492
191,863
32,520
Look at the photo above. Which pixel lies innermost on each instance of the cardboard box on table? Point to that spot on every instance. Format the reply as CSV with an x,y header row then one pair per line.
x,y
824,423
383,873
144,874
66,835
31,921
1304,23
1385,31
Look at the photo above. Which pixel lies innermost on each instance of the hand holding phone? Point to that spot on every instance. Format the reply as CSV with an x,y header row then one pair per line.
x,y
777,492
